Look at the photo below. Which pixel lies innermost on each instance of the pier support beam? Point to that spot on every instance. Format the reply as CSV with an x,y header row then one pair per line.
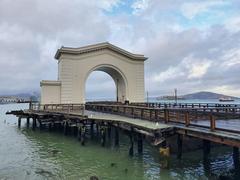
x,y
28,120
41,125
206,148
140,143
179,145
131,143
50,126
75,131
164,151
19,122
109,130
103,136
206,154
116,143
65,128
92,129
34,124
236,158
83,134
79,133
97,128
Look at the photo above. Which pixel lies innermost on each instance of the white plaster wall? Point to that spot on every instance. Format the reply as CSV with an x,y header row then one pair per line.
x,y
50,93
75,69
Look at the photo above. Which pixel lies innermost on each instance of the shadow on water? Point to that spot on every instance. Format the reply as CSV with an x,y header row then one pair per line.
x,y
27,154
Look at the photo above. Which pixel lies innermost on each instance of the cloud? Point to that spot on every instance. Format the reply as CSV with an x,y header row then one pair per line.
x,y
233,24
192,9
197,68
140,5
31,32
182,53
189,68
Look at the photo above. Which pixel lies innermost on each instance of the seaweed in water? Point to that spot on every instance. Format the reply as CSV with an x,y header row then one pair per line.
x,y
44,172
113,164
94,178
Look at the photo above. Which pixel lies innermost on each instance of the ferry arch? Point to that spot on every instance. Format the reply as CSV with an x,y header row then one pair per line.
x,y
76,64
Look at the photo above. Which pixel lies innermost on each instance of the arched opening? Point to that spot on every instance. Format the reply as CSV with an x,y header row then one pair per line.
x,y
105,82
100,87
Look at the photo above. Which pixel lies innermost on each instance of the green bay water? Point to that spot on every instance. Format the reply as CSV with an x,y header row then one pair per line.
x,y
27,154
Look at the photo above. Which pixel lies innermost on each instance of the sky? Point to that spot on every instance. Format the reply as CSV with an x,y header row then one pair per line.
x,y
192,45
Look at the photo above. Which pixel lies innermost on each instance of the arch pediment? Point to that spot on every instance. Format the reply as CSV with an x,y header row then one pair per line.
x,y
99,47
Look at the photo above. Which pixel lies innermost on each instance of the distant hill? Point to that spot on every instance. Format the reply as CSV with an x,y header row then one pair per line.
x,y
25,96
206,95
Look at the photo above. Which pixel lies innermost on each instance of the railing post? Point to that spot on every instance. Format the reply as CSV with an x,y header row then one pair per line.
x,y
212,122
166,115
156,114
177,116
150,114
142,111
187,120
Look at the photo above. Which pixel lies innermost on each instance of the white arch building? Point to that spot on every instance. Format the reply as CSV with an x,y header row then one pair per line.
x,y
76,64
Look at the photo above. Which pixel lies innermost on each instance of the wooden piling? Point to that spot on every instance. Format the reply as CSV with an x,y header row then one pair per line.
x,y
40,125
206,154
109,130
19,121
131,143
97,128
83,134
140,143
79,133
65,128
50,126
116,136
92,129
236,158
75,131
28,120
103,135
179,145
206,148
34,123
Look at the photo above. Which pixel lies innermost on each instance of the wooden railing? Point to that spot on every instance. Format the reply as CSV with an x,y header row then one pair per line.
x,y
58,107
168,105
184,105
187,116
202,116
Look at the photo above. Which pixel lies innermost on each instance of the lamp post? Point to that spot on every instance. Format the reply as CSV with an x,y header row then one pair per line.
x,y
117,91
175,95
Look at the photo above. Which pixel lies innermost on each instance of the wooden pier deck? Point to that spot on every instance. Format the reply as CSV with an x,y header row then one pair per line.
x,y
218,124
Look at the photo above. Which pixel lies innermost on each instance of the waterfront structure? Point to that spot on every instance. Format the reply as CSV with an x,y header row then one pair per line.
x,y
76,64
154,122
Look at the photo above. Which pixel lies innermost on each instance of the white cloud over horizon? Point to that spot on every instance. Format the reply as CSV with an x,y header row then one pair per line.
x,y
192,45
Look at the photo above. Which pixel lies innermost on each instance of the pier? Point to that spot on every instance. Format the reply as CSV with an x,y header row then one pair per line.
x,y
154,122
